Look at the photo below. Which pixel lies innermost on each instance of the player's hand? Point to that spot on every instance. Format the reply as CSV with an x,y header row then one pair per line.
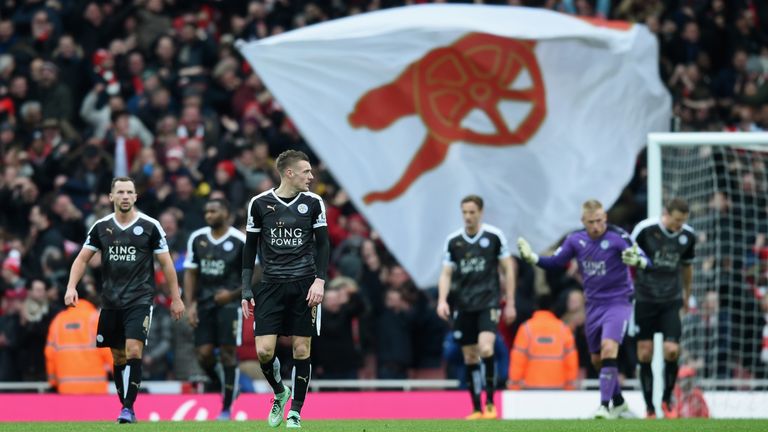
x,y
631,257
246,294
70,297
247,306
510,313
316,292
192,315
222,297
526,252
177,308
443,310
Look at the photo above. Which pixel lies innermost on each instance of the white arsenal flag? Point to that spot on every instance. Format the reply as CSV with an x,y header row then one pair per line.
x,y
413,108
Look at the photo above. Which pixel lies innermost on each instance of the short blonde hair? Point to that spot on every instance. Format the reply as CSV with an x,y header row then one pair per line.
x,y
591,205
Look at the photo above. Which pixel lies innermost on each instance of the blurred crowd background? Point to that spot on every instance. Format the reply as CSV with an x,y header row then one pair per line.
x,y
156,90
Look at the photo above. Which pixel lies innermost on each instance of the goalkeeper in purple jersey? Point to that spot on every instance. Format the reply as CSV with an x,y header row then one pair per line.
x,y
604,254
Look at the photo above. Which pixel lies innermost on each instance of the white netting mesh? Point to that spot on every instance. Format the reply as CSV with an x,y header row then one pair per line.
x,y
727,190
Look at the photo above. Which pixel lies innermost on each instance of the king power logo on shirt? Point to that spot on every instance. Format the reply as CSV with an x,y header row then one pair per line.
x,y
212,267
477,72
282,236
122,253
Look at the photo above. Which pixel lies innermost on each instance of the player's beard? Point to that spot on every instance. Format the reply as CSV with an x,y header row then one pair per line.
x,y
217,225
125,210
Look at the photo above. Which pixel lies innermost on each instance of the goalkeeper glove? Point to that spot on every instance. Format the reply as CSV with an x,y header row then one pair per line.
x,y
631,257
526,252
247,293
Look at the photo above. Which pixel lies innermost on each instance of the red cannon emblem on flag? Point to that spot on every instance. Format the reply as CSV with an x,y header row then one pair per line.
x,y
477,72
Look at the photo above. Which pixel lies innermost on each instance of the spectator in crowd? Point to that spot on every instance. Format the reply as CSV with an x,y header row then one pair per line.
x,y
37,312
175,72
707,338
544,354
156,364
43,235
689,396
394,323
337,355
11,272
10,333
74,364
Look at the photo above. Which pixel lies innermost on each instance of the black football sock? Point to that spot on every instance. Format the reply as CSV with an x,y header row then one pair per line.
x,y
231,374
646,383
271,371
670,378
302,374
117,375
490,379
134,382
213,376
475,384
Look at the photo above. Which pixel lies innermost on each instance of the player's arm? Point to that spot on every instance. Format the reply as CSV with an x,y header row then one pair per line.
x,y
509,269
76,273
323,253
190,286
562,256
91,245
237,267
443,287
190,294
190,281
444,283
169,270
687,270
250,250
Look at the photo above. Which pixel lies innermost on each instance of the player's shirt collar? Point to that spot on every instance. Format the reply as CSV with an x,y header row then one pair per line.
x,y
215,241
283,202
125,227
474,238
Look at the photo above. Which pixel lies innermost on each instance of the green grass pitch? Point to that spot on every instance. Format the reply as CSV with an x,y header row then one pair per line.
x,y
697,425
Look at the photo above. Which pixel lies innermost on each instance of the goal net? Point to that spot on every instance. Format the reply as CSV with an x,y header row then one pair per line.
x,y
724,178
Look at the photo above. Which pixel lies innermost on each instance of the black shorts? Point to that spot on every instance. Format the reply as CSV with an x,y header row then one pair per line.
x,y
651,318
219,325
468,325
282,309
117,325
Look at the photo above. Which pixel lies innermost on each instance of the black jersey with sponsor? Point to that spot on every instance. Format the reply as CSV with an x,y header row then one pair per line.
x,y
286,227
127,253
662,282
475,262
219,261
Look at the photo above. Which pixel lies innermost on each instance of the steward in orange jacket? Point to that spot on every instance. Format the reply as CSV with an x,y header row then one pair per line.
x,y
544,354
74,364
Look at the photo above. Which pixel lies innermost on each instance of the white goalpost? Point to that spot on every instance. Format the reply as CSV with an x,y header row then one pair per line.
x,y
724,178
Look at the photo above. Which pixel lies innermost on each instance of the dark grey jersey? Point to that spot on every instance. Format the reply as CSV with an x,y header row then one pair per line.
x,y
287,238
475,263
127,253
668,251
219,261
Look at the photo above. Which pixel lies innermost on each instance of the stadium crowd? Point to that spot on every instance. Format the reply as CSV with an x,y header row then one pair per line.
x,y
156,90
